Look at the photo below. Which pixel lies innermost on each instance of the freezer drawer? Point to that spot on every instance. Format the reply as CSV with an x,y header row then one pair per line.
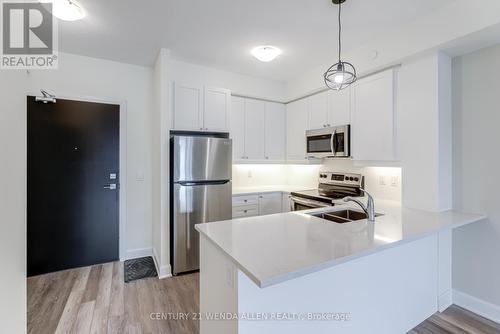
x,y
196,204
201,158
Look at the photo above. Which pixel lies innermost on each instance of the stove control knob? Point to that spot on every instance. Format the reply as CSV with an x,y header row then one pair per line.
x,y
356,179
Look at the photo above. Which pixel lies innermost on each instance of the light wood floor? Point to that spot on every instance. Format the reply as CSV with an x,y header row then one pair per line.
x,y
96,300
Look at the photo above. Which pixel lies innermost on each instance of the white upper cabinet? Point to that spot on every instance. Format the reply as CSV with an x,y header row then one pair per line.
x,y
255,115
217,109
296,125
275,128
258,130
199,108
339,107
373,118
188,110
317,107
238,128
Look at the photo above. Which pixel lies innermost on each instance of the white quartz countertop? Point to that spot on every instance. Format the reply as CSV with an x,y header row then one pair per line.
x,y
276,248
267,189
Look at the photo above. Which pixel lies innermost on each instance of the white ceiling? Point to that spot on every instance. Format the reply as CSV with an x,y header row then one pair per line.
x,y
220,33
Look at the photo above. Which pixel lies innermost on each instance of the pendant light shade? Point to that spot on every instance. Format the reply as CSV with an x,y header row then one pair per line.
x,y
342,74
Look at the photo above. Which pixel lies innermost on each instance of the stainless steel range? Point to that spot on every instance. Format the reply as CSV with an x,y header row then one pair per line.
x,y
332,187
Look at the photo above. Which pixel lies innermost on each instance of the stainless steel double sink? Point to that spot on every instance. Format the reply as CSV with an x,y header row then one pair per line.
x,y
343,216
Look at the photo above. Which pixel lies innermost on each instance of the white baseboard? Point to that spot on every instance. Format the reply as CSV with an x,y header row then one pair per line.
x,y
483,308
137,253
163,271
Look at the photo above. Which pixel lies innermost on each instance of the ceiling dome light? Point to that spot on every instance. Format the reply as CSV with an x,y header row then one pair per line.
x,y
67,10
266,53
342,74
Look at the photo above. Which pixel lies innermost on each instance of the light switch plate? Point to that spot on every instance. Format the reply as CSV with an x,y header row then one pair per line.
x,y
139,176
394,181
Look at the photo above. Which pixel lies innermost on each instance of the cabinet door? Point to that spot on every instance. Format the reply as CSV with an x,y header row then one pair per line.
x,y
216,109
255,116
188,107
296,125
339,107
238,128
317,106
286,205
269,204
275,127
373,130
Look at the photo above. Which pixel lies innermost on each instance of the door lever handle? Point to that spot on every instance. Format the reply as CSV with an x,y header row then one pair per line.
x,y
111,186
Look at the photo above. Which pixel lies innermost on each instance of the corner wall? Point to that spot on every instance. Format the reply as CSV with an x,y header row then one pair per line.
x,y
476,161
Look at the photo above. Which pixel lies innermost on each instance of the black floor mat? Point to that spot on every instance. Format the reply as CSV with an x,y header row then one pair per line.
x,y
136,269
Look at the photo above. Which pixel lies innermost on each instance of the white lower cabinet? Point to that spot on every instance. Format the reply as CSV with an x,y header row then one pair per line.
x,y
245,211
269,204
257,204
286,202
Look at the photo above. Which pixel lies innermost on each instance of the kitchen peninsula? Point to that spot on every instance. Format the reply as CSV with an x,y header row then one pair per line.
x,y
298,273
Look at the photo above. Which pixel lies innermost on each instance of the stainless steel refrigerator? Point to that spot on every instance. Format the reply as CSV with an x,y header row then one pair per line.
x,y
200,191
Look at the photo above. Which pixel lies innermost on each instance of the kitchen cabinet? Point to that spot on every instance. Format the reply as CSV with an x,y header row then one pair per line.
x,y
188,110
339,107
296,126
317,107
217,109
258,131
238,128
286,202
275,132
269,203
255,116
373,118
257,204
201,108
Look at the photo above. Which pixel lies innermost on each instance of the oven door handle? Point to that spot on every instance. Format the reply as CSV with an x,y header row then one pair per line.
x,y
332,146
309,202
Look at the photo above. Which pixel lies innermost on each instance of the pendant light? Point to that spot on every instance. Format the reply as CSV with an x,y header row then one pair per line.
x,y
342,74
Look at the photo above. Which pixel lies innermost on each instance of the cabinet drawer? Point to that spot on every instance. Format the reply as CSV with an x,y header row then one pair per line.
x,y
245,211
245,200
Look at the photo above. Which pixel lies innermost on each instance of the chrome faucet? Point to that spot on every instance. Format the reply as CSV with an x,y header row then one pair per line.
x,y
369,208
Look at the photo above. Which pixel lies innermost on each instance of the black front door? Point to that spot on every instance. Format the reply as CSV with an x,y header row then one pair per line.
x,y
73,158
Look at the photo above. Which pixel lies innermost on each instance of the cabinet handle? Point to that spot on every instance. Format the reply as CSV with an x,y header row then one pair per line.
x,y
328,125
260,196
267,157
245,211
201,128
245,200
206,128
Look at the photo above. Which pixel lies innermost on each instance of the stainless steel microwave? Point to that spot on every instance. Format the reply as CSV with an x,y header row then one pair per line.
x,y
331,142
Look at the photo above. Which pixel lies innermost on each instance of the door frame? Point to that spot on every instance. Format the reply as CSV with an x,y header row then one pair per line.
x,y
122,205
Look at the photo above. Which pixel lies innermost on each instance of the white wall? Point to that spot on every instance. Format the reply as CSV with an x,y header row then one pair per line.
x,y
13,201
476,162
443,28
238,83
424,132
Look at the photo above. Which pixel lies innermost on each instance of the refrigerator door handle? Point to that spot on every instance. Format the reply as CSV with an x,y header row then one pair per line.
x,y
201,183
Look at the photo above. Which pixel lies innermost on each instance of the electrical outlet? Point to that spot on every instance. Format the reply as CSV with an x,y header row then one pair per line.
x,y
394,181
250,174
381,180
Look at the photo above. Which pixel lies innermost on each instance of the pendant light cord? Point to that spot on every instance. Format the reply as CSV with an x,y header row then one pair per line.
x,y
340,30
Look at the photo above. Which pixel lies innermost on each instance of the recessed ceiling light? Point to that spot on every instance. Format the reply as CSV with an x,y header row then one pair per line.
x,y
266,53
67,10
